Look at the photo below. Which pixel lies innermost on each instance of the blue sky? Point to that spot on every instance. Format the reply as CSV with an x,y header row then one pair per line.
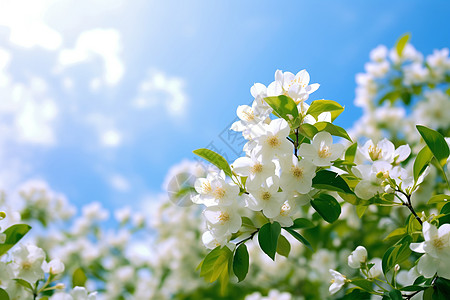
x,y
101,98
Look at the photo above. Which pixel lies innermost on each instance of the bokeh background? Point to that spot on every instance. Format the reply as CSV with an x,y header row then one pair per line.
x,y
100,98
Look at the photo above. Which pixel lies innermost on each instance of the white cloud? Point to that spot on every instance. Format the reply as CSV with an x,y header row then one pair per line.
x,y
27,112
105,128
26,24
111,138
97,43
159,89
119,183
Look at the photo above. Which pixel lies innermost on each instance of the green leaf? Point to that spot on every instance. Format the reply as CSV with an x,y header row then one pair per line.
x,y
268,238
284,106
357,294
24,283
438,199
391,96
445,212
3,295
241,262
302,223
319,106
386,264
214,158
396,295
413,288
283,247
428,294
351,152
299,238
363,284
436,142
247,222
442,287
327,207
396,234
332,129
422,161
13,234
216,263
360,210
308,130
79,278
331,181
401,43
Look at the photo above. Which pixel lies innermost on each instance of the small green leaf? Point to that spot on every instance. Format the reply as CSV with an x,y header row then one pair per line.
x,y
331,181
360,210
351,152
332,129
299,238
214,158
13,234
308,130
363,284
283,247
436,142
302,223
241,262
395,295
422,161
247,222
268,238
386,264
3,295
24,283
396,234
391,96
401,43
438,199
319,106
327,207
79,278
284,106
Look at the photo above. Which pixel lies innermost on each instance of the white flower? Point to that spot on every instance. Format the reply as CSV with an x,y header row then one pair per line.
x,y
211,241
54,267
249,117
78,293
287,210
6,274
272,139
123,215
357,257
2,237
254,168
27,262
296,176
437,251
379,53
222,220
295,86
384,150
372,178
376,269
213,190
337,282
266,198
322,151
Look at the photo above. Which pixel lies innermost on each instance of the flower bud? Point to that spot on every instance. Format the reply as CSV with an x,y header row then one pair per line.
x,y
60,286
358,256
